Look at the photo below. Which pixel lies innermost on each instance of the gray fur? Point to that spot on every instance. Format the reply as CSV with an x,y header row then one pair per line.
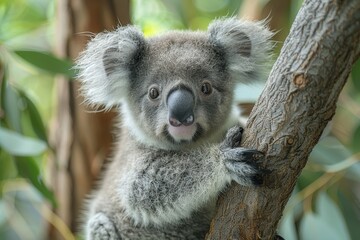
x,y
160,184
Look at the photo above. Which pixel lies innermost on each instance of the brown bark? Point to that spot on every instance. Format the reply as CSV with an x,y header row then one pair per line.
x,y
82,140
296,104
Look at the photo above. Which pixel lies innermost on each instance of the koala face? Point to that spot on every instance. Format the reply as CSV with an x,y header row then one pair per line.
x,y
181,90
177,88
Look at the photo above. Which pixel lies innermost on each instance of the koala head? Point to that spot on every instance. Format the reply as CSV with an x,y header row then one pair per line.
x,y
176,89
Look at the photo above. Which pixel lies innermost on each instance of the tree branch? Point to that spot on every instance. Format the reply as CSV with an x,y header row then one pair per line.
x,y
299,99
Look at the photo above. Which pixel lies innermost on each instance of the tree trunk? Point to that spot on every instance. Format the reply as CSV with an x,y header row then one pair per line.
x,y
298,101
82,140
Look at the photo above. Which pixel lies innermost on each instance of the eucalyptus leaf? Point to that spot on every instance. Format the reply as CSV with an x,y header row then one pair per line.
x,y
48,62
19,17
19,145
355,75
8,169
355,142
354,172
10,103
307,177
28,202
351,211
331,214
329,151
28,168
287,228
314,227
35,118
3,212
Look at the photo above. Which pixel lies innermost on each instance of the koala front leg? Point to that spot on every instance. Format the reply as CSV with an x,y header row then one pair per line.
x,y
100,227
170,185
241,162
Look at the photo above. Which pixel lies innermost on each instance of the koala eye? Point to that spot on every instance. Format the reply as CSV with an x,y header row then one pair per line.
x,y
153,93
206,88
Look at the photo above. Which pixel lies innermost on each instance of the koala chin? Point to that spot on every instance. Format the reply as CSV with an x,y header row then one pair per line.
x,y
178,147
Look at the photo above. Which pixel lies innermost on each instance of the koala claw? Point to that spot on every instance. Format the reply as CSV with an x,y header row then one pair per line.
x,y
242,166
100,227
233,137
241,162
242,155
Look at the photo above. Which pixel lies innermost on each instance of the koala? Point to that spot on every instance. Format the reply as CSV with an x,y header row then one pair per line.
x,y
178,147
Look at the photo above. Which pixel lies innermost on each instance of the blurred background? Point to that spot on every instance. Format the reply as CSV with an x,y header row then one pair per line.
x,y
52,148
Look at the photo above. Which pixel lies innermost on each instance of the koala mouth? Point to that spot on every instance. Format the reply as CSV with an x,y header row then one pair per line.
x,y
181,134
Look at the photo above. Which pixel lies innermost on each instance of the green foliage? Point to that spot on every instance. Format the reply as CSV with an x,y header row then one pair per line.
x,y
19,145
36,121
26,78
321,201
20,155
47,62
29,169
355,76
18,17
327,223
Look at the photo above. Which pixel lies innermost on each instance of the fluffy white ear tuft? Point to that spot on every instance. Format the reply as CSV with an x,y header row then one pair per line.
x,y
246,45
104,66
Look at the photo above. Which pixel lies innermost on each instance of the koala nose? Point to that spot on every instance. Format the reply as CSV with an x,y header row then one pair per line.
x,y
181,105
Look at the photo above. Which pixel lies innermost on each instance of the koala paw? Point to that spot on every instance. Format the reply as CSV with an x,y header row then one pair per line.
x,y
100,227
241,163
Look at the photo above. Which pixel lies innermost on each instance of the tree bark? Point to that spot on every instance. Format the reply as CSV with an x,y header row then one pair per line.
x,y
298,101
82,140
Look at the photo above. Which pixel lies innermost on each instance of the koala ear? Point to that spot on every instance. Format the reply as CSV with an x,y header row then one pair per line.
x,y
104,66
245,44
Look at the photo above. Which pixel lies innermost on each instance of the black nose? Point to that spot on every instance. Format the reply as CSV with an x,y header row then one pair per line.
x,y
181,107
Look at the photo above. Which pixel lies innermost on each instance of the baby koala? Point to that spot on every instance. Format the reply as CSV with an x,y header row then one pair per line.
x,y
175,153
